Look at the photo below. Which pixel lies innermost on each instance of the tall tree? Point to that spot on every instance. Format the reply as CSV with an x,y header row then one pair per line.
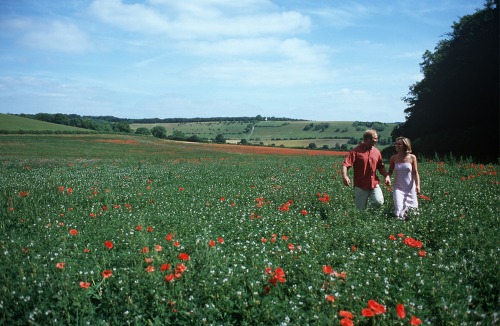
x,y
454,109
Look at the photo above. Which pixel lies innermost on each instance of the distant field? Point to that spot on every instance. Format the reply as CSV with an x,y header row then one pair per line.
x,y
286,133
14,123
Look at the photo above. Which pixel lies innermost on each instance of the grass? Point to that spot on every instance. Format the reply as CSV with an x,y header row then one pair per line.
x,y
221,225
10,122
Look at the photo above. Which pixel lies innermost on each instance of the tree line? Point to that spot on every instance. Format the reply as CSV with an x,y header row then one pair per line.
x,y
115,124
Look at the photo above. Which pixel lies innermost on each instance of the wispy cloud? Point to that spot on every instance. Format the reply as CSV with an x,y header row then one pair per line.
x,y
53,36
196,21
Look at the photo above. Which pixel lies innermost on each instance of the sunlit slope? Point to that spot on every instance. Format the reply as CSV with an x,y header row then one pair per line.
x,y
10,122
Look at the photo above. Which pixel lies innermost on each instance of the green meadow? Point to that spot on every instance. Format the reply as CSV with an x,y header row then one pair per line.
x,y
115,230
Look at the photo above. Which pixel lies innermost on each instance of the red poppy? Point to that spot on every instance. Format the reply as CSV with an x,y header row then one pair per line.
x,y
84,285
422,253
263,240
73,232
144,250
165,267
169,277
415,321
138,228
220,240
324,198
148,260
400,309
353,248
158,248
346,322
61,265
285,207
291,246
211,243
277,276
104,208
367,312
183,256
327,269
392,237
303,212
107,273
150,229
376,307
169,237
108,244
346,314
330,298
413,242
86,250
180,268
401,235
150,269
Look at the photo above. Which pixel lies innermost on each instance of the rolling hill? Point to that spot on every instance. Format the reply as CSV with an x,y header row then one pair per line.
x,y
14,123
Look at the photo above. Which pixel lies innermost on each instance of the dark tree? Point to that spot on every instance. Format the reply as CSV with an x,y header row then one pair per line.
x,y
121,127
454,109
143,131
219,139
159,132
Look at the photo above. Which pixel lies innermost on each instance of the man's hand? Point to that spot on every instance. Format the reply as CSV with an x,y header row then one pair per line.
x,y
346,180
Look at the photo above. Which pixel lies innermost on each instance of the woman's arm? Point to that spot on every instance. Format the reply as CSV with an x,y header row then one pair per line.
x,y
415,173
391,168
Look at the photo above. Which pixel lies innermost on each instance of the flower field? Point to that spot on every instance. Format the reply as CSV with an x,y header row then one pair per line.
x,y
242,239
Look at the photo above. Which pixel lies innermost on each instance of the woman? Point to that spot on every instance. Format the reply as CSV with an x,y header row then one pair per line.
x,y
406,180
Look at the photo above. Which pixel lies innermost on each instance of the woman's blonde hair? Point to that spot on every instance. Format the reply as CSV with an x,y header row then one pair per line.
x,y
406,143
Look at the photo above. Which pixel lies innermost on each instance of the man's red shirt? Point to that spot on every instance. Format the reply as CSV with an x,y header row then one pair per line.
x,y
365,162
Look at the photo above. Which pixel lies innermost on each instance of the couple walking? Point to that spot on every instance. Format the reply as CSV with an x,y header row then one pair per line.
x,y
365,160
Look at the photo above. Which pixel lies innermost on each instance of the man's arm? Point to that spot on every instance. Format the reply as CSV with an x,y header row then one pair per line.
x,y
345,178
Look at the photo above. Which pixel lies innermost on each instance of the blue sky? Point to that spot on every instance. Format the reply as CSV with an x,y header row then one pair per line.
x,y
310,59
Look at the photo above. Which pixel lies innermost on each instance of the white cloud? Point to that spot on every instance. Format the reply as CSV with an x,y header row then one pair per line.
x,y
49,35
56,36
133,17
294,49
196,21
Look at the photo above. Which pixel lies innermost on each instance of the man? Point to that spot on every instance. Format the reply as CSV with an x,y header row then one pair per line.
x,y
365,160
